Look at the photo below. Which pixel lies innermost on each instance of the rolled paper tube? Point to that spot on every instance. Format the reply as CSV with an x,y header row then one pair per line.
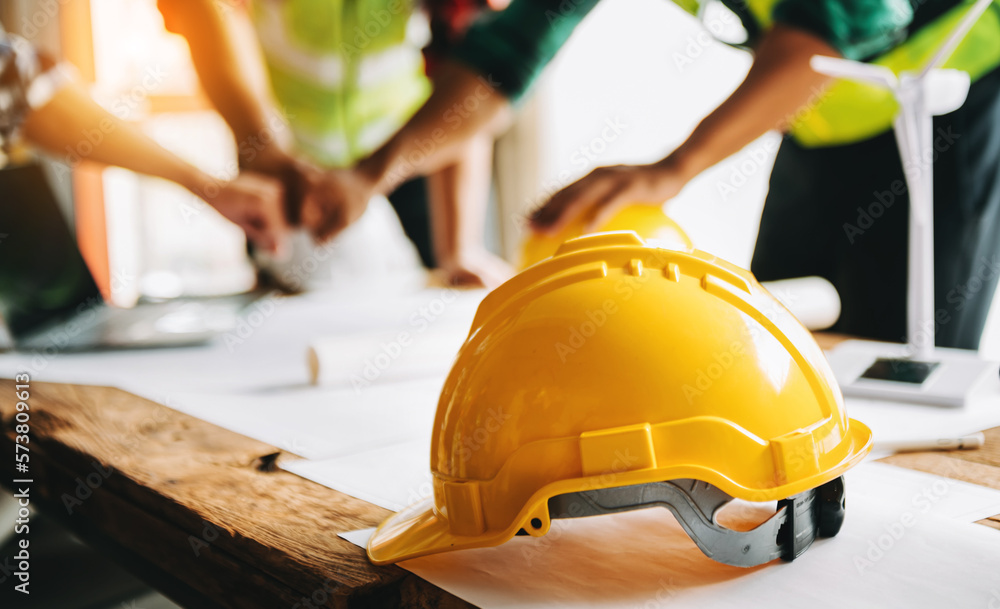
x,y
361,360
812,300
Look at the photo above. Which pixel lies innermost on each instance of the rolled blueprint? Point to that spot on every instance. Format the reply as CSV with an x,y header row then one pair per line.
x,y
812,300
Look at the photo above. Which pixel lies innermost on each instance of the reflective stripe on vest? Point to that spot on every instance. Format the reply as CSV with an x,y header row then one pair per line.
x,y
850,111
342,70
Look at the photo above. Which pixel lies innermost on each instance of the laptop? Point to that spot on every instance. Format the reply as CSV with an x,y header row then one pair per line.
x,y
49,299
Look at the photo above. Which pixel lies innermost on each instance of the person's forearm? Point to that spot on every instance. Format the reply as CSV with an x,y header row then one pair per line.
x,y
462,106
458,197
72,125
779,84
229,66
498,60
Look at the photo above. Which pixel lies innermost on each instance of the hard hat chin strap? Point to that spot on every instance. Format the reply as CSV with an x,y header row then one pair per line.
x,y
799,520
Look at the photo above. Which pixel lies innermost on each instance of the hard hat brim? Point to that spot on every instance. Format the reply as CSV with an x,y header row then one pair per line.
x,y
419,530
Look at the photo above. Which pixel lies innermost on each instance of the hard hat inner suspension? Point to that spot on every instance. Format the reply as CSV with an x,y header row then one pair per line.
x,y
798,521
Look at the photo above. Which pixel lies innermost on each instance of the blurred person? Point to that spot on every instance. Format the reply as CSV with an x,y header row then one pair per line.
x,y
40,102
452,187
838,158
346,75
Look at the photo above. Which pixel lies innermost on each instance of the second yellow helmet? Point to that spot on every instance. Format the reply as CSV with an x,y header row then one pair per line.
x,y
647,221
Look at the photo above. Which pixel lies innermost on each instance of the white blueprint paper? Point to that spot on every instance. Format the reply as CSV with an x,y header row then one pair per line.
x,y
644,559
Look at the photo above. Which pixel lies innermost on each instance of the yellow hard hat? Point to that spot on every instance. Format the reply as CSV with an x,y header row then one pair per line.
x,y
618,375
648,221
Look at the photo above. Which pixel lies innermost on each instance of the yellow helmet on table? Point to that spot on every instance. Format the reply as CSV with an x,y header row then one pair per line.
x,y
618,375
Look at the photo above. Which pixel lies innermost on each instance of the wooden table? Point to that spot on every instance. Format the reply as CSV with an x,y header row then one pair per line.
x,y
201,513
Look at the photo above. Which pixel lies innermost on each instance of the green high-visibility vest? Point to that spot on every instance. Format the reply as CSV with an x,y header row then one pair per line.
x,y
850,111
347,73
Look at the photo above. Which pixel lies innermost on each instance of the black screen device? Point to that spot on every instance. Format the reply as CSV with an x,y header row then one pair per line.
x,y
900,370
43,277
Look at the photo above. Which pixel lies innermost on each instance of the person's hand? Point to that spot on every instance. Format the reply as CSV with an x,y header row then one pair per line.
x,y
602,192
303,183
296,176
334,200
255,203
323,202
475,269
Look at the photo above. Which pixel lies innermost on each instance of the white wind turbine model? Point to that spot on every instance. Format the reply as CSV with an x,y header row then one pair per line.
x,y
918,371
